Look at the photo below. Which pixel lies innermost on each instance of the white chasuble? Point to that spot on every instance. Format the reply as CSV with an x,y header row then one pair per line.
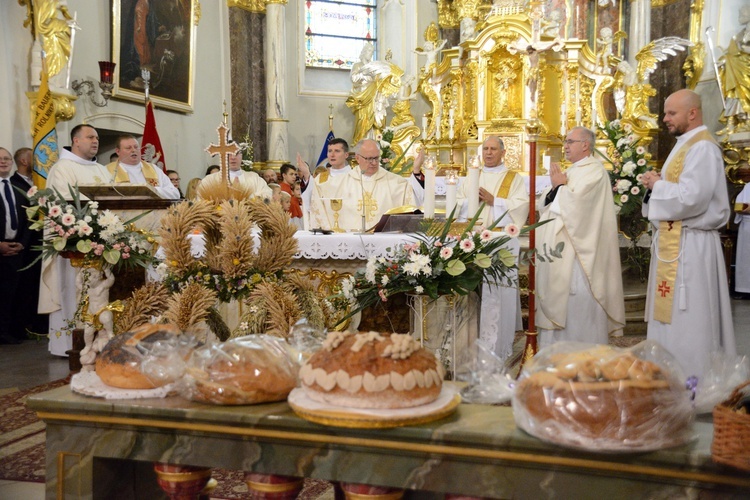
x,y
583,218
360,196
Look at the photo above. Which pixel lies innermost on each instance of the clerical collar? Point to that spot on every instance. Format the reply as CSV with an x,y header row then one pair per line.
x,y
495,170
67,154
233,174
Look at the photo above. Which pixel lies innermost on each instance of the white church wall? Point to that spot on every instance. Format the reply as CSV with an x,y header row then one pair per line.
x,y
15,46
311,92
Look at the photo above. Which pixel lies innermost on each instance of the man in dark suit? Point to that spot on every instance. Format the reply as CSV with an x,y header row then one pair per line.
x,y
28,288
14,238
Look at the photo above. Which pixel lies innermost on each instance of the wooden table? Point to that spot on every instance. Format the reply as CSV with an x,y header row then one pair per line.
x,y
105,449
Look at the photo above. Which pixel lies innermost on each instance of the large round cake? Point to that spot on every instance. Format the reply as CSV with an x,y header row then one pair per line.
x,y
119,363
372,370
602,399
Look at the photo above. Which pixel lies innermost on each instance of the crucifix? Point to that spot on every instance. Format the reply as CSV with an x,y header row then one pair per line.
x,y
224,149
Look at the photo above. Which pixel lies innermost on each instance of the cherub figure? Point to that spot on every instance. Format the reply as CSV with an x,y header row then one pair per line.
x,y
432,47
605,50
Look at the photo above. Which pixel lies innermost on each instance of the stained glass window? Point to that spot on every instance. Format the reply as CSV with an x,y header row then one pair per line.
x,y
336,31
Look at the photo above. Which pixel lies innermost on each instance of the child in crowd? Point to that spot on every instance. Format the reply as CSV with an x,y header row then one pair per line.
x,y
276,192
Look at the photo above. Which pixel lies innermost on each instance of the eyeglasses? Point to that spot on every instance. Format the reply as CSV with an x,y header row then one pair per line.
x,y
571,141
371,159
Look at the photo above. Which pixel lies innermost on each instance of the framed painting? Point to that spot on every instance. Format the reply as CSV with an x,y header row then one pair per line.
x,y
158,36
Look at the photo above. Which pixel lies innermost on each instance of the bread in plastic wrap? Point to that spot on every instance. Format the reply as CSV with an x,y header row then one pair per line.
x,y
600,398
144,358
246,370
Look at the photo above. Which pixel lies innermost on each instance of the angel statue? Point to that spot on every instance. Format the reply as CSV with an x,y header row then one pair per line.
x,y
373,83
632,88
735,78
607,38
56,35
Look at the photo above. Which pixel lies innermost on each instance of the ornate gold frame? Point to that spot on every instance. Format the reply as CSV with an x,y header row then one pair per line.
x,y
128,91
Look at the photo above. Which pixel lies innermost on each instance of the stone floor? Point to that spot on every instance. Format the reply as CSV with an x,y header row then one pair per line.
x,y
29,364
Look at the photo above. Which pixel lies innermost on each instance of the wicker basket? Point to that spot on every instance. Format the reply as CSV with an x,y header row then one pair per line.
x,y
731,444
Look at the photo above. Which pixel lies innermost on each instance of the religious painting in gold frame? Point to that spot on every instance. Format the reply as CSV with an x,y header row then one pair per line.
x,y
160,37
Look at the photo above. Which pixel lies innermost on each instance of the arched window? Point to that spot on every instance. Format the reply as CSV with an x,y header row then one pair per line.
x,y
336,31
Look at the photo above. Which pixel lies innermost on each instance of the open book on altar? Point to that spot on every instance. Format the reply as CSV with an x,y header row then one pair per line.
x,y
119,191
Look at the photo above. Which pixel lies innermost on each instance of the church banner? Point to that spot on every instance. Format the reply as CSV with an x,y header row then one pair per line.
x,y
151,150
44,133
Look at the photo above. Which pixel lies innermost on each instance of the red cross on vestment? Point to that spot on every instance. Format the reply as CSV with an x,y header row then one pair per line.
x,y
664,289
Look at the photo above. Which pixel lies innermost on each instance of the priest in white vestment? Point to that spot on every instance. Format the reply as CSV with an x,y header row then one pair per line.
x,y
255,183
742,262
580,295
500,189
130,168
57,291
366,193
687,303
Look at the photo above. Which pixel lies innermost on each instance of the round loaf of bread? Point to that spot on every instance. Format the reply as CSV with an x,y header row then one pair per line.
x,y
600,400
119,363
247,370
372,370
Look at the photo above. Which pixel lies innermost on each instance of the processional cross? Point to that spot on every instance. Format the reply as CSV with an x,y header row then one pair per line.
x,y
532,50
224,149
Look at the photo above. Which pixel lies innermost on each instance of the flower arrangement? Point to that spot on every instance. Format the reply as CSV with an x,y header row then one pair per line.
x,y
629,163
438,263
75,227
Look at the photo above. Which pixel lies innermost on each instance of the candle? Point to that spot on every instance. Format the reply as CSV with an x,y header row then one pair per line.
x,y
450,114
451,187
424,126
578,116
437,126
429,187
546,163
472,189
450,132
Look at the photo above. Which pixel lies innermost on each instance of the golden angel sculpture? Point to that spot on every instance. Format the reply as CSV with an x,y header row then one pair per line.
x,y
56,35
373,83
735,78
632,88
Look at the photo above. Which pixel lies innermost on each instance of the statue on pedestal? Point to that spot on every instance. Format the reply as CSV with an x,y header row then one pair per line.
x,y
735,78
373,83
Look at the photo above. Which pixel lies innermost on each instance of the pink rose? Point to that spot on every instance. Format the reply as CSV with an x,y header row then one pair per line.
x,y
382,295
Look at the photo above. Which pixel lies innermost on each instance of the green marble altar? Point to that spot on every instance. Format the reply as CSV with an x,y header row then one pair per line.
x,y
104,449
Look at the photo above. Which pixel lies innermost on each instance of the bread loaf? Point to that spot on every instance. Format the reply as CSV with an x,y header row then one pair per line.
x,y
372,370
247,370
119,363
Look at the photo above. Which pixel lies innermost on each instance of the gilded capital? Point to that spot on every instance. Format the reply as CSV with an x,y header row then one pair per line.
x,y
257,6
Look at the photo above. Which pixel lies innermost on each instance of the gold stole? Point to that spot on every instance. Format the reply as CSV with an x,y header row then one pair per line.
x,y
668,251
504,190
122,175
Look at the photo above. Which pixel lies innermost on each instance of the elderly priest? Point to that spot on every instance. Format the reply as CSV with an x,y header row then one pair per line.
x,y
365,193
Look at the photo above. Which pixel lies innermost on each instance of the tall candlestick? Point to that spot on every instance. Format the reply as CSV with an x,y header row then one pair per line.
x,y
546,160
451,187
472,188
429,188
424,127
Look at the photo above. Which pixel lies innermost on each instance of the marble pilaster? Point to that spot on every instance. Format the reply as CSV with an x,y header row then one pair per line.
x,y
640,28
247,40
276,113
